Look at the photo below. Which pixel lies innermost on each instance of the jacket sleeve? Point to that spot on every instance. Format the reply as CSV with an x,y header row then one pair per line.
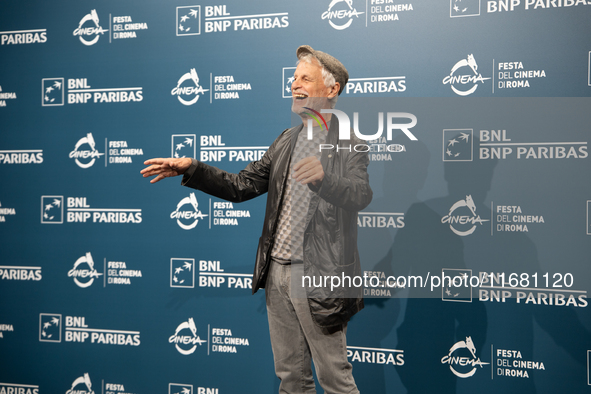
x,y
350,191
247,184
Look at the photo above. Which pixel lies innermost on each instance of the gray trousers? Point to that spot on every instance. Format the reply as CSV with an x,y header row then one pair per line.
x,y
296,340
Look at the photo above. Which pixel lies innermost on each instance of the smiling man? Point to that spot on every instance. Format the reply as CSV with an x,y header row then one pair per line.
x,y
310,229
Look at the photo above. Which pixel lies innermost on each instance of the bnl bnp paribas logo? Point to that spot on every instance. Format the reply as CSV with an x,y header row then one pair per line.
x,y
340,14
219,19
464,77
462,359
89,30
78,211
187,88
80,92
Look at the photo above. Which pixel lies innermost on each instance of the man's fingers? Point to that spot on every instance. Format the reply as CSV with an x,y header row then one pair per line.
x,y
308,176
164,168
306,164
308,170
153,170
303,162
158,178
302,173
157,160
154,166
147,171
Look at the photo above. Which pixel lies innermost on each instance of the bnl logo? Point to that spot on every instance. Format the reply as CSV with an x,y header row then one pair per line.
x,y
52,209
188,20
449,289
458,144
287,81
182,272
460,8
179,388
52,92
183,145
50,325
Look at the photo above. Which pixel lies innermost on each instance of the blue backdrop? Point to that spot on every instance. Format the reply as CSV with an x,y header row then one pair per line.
x,y
109,284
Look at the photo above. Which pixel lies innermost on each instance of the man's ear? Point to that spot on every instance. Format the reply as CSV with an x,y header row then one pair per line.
x,y
334,91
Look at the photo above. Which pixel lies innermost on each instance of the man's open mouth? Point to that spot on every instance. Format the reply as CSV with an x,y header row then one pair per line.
x,y
300,96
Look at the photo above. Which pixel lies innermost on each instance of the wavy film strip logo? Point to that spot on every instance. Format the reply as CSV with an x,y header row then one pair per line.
x,y
315,115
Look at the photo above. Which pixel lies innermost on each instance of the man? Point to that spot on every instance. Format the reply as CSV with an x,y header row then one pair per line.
x,y
310,228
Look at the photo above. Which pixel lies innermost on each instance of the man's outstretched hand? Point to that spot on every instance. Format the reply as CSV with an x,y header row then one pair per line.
x,y
164,168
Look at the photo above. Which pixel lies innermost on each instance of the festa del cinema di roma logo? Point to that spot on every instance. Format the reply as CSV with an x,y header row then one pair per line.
x,y
188,93
81,385
182,216
462,363
186,344
464,84
340,13
85,158
83,271
89,31
463,225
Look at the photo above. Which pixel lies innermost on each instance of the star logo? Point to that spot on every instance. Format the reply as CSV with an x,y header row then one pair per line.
x,y
462,8
52,209
182,272
52,92
455,290
50,325
184,145
458,145
188,20
288,79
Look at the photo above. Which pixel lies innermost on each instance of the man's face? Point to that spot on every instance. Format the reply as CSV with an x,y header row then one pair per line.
x,y
308,88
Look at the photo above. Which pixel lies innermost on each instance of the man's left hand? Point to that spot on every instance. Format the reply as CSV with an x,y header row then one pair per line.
x,y
309,170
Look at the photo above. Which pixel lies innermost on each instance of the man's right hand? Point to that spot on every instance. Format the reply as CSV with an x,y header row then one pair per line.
x,y
165,167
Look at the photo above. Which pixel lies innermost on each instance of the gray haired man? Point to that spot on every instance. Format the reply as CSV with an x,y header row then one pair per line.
x,y
310,228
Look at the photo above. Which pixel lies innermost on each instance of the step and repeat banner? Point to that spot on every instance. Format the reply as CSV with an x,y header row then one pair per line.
x,y
475,250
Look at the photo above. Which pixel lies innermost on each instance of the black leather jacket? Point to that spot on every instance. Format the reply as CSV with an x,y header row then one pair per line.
x,y
330,238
